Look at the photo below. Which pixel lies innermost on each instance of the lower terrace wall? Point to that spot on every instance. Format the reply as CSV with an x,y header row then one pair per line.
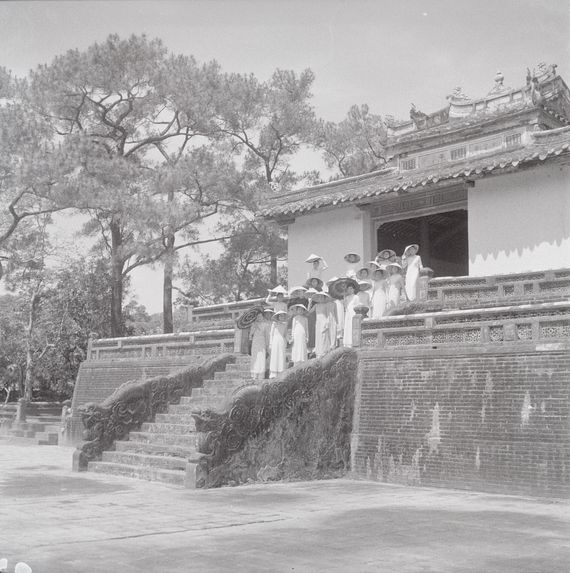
x,y
114,361
470,417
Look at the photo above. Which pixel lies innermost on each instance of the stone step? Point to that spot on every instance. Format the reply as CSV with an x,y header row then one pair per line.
x,y
175,418
212,403
187,409
174,450
47,439
188,440
201,392
31,426
224,386
175,477
230,375
140,459
168,428
239,367
23,433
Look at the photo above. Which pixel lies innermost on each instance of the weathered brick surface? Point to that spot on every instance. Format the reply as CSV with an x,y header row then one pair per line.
x,y
98,379
485,418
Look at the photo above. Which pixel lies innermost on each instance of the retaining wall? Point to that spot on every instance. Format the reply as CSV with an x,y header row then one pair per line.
x,y
485,417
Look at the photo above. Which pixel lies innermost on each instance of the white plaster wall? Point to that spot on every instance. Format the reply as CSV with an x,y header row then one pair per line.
x,y
330,234
520,222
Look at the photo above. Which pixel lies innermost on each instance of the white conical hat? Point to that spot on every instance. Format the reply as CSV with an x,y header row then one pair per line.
x,y
300,289
352,253
312,258
416,246
323,296
364,285
278,290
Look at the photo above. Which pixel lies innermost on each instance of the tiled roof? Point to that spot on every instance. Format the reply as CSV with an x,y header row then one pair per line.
x,y
544,145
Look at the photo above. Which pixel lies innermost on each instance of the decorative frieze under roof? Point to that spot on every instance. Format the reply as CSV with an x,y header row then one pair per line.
x,y
505,130
539,147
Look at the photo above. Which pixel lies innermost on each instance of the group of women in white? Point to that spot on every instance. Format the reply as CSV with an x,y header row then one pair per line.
x,y
371,289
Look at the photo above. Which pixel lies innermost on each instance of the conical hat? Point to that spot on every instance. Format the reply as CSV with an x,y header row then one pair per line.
x,y
312,258
394,265
385,255
321,297
319,282
364,285
414,245
298,305
351,253
280,315
297,291
278,290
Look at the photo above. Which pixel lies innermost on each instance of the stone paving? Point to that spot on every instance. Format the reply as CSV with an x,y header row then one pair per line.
x,y
61,522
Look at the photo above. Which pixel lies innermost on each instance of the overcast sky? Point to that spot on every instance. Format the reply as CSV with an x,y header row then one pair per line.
x,y
385,53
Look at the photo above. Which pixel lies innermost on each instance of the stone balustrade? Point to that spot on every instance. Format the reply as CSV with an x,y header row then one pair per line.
x,y
220,312
540,323
156,346
499,290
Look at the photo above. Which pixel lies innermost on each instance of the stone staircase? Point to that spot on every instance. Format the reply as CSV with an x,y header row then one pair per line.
x,y
160,450
42,425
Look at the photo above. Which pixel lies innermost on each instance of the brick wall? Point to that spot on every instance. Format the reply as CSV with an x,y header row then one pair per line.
x,y
98,379
484,418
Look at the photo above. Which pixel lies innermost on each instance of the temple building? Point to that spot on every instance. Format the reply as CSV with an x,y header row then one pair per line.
x,y
482,185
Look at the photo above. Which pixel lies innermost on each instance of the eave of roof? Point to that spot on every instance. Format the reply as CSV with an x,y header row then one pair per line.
x,y
545,145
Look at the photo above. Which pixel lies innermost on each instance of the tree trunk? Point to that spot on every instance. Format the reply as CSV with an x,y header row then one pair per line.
x,y
116,279
167,318
28,371
273,275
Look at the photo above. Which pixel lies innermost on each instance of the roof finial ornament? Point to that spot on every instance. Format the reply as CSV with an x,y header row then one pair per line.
x,y
499,87
458,94
418,117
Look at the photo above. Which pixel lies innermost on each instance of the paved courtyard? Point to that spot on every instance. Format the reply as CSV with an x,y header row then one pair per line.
x,y
61,522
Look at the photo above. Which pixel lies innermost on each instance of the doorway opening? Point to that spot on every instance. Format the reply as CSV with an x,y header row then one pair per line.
x,y
442,238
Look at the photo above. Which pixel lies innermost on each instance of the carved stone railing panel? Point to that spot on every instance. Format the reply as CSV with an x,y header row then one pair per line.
x,y
539,322
204,342
134,403
471,292
297,426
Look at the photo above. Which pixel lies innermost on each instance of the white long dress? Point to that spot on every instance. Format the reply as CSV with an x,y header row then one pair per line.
x,y
379,299
339,304
278,358
323,339
413,268
350,300
333,322
395,286
299,333
259,335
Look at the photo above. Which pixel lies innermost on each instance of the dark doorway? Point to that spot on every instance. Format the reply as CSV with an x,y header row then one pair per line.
x,y
442,239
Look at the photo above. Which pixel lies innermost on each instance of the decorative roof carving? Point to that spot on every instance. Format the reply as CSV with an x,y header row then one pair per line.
x,y
544,145
458,95
499,88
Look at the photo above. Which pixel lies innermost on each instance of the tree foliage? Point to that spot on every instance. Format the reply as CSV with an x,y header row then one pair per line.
x,y
124,106
32,167
355,145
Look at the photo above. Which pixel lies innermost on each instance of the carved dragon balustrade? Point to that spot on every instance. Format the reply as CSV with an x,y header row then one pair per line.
x,y
134,403
255,411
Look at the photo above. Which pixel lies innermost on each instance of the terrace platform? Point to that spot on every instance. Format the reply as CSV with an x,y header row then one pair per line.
x,y
61,522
